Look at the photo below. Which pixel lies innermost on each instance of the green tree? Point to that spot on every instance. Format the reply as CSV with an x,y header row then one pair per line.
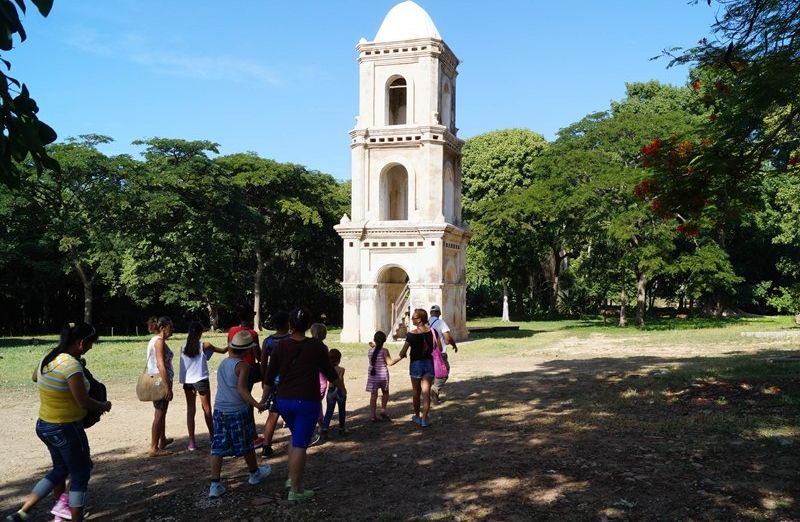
x,y
81,202
21,132
292,212
492,164
182,246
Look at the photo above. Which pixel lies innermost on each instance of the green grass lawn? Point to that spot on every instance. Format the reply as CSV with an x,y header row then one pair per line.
x,y
119,359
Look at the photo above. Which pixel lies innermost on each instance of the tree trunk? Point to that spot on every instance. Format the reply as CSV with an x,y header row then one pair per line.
x,y
257,290
552,267
505,318
623,302
213,317
88,297
641,294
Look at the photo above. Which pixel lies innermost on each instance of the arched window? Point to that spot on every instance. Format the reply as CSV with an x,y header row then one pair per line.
x,y
449,196
446,110
394,194
397,97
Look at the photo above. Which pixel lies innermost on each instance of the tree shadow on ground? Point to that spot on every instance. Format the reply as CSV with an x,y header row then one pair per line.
x,y
626,439
522,333
20,342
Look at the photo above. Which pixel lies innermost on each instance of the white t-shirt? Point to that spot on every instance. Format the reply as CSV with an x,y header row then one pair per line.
x,y
194,369
438,324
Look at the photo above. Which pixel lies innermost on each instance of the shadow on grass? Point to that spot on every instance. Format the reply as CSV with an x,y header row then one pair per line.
x,y
20,342
572,440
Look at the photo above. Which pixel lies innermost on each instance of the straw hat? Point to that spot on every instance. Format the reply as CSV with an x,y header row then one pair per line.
x,y
242,341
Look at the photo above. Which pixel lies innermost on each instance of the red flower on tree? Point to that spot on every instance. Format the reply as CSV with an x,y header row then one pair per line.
x,y
696,85
687,229
652,148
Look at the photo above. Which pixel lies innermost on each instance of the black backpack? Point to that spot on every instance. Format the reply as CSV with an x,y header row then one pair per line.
x,y
97,391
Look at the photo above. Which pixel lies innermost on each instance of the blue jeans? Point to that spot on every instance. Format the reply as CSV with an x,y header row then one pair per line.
x,y
334,398
69,450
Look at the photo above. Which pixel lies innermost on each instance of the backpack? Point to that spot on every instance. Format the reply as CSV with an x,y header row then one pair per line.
x,y
97,391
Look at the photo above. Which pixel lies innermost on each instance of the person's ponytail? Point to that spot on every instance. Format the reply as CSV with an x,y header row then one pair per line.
x,y
379,339
69,334
192,347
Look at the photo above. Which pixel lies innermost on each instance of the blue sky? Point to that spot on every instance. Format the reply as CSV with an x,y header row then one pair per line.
x,y
280,78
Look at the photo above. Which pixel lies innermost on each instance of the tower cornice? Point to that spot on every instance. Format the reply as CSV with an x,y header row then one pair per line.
x,y
380,51
392,136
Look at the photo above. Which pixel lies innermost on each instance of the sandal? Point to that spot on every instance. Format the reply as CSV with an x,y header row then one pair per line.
x,y
167,442
385,417
159,453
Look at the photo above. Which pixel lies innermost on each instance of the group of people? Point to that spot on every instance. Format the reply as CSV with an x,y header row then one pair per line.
x,y
297,372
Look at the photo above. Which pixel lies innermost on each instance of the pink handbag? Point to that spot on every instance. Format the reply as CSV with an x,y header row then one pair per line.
x,y
440,369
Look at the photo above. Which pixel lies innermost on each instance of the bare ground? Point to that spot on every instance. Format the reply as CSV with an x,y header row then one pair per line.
x,y
568,432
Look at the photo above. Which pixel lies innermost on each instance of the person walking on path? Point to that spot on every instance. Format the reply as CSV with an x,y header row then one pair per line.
x,y
280,321
194,377
298,360
233,427
378,375
420,342
64,402
443,331
159,361
336,396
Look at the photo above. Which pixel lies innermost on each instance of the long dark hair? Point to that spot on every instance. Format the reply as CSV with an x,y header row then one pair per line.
x,y
300,319
71,332
379,339
192,347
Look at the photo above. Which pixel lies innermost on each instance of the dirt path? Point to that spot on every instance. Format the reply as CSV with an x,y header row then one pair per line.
x,y
528,436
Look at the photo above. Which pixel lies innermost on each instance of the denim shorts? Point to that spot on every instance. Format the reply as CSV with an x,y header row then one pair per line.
x,y
421,368
69,450
301,416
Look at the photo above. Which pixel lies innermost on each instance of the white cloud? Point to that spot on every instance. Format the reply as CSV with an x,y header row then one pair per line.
x,y
135,48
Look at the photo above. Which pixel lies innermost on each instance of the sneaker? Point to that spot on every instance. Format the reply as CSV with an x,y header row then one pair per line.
x,y
314,439
216,490
258,442
288,483
267,452
324,436
259,474
342,431
424,423
17,516
61,509
416,420
191,446
306,494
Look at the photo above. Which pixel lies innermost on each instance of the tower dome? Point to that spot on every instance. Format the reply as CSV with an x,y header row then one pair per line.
x,y
406,21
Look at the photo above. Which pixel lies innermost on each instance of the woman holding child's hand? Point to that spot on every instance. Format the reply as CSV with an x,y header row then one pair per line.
x,y
298,360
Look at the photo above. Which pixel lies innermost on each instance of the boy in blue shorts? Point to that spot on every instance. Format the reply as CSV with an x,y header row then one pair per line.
x,y
234,429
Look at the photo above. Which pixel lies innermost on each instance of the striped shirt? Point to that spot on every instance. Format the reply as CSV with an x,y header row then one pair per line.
x,y
56,403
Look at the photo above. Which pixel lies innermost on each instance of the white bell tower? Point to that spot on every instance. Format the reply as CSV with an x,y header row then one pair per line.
x,y
405,245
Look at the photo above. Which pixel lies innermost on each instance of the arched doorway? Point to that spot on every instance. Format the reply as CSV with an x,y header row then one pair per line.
x,y
392,301
394,194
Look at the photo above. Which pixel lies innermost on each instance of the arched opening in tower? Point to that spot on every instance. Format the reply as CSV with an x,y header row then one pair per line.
x,y
394,194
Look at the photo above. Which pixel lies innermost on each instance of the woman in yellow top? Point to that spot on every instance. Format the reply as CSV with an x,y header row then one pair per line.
x,y
64,401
